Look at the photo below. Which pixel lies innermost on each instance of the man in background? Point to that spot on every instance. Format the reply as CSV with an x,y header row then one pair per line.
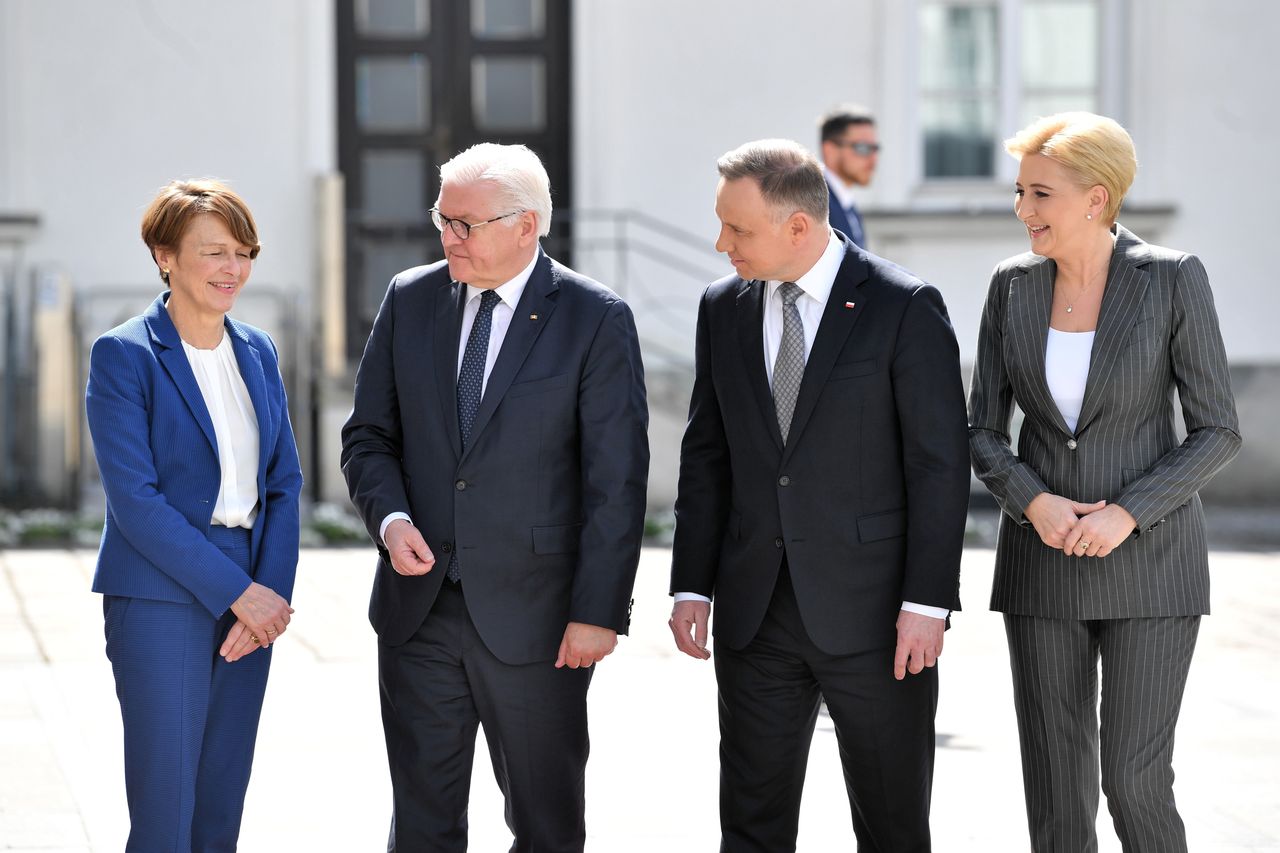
x,y
849,151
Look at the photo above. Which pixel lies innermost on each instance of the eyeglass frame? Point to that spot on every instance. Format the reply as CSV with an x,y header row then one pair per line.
x,y
440,221
859,147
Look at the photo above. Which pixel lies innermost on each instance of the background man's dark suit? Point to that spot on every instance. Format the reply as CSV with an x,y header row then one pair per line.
x,y
545,507
863,508
840,220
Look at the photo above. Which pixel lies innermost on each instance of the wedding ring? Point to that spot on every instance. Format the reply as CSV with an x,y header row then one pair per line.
x,y
254,638
1083,544
271,630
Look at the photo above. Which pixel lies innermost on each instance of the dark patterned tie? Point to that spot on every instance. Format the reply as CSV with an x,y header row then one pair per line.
x,y
788,368
471,384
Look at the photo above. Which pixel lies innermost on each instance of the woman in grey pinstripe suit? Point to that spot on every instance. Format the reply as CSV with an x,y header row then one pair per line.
x,y
1102,555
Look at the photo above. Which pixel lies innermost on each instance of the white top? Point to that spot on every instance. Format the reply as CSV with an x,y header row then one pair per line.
x,y
508,296
1066,368
816,284
235,426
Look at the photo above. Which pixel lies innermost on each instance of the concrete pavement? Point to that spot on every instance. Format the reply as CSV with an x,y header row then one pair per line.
x,y
320,781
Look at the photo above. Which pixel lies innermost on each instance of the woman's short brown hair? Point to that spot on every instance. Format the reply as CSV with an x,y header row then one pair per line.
x,y
178,202
1095,149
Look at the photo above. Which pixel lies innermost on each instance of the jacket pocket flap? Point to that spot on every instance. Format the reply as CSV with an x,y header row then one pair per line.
x,y
882,525
557,539
537,386
850,369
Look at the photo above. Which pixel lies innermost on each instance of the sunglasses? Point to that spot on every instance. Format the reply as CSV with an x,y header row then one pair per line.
x,y
862,149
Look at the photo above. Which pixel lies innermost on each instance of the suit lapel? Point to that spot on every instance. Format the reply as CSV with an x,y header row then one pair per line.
x,y
749,324
1027,333
1126,286
833,330
250,364
449,303
174,359
537,300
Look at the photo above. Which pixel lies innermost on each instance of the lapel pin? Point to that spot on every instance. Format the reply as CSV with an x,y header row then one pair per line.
x,y
848,305
533,316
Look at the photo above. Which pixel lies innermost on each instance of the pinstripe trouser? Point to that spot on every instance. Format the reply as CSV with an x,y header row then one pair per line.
x,y
1055,683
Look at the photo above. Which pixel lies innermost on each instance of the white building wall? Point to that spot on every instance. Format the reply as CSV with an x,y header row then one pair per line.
x,y
105,102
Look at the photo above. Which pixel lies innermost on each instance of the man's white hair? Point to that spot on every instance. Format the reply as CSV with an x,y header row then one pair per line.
x,y
516,172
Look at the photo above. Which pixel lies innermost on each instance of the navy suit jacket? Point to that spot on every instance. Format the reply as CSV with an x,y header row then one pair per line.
x,y
158,457
546,505
868,497
840,221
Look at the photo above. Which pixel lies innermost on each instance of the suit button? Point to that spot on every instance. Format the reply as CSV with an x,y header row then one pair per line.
x,y
784,480
777,543
1071,444
461,485
447,547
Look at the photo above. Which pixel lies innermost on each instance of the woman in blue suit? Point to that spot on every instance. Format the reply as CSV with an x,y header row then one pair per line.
x,y
191,431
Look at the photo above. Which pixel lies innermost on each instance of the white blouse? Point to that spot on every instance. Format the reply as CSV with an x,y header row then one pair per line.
x,y
1066,368
235,425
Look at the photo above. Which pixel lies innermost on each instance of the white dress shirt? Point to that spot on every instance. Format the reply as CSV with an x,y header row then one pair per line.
x,y
508,296
1066,369
816,284
235,426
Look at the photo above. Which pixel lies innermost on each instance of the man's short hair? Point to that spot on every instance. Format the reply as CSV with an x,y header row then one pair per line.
x,y
516,172
835,122
789,177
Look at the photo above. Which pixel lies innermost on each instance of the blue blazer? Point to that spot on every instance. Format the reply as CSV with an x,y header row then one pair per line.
x,y
840,220
158,456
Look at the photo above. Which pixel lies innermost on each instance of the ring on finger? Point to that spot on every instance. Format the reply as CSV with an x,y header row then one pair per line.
x,y
254,637
271,630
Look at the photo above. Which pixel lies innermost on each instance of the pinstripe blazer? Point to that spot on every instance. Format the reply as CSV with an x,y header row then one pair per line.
x,y
1157,332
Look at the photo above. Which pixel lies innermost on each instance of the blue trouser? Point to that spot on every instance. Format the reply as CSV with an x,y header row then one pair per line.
x,y
190,718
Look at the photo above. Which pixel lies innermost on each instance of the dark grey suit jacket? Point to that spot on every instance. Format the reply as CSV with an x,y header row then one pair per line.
x,y
546,505
1157,333
867,498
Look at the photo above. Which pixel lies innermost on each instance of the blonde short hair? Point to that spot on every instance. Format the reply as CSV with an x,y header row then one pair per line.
x,y
1095,149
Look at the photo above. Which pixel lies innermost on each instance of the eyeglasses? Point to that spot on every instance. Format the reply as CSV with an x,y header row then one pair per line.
x,y
460,228
862,149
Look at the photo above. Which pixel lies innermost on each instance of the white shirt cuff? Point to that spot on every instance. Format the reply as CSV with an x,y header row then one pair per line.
x,y
395,516
926,610
690,596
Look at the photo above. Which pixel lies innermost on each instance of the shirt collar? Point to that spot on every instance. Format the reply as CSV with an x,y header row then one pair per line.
x,y
510,292
844,193
820,278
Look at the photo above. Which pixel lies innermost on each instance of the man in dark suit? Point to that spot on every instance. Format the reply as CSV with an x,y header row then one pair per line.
x,y
822,499
497,452
850,148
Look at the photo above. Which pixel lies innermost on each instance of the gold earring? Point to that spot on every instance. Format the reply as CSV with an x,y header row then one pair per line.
x,y
165,270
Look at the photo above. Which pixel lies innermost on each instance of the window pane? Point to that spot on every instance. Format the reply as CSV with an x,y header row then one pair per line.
x,y
1060,45
392,93
1035,106
393,187
508,92
507,19
959,137
958,47
393,18
383,259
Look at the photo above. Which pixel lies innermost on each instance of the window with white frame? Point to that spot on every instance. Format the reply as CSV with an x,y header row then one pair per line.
x,y
988,67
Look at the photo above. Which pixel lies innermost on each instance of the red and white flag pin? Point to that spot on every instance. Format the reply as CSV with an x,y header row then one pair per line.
x,y
848,305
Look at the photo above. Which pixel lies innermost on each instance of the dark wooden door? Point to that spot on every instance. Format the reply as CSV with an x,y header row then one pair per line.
x,y
419,81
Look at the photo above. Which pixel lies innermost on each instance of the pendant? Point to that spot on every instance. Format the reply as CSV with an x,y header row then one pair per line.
x,y
1069,309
